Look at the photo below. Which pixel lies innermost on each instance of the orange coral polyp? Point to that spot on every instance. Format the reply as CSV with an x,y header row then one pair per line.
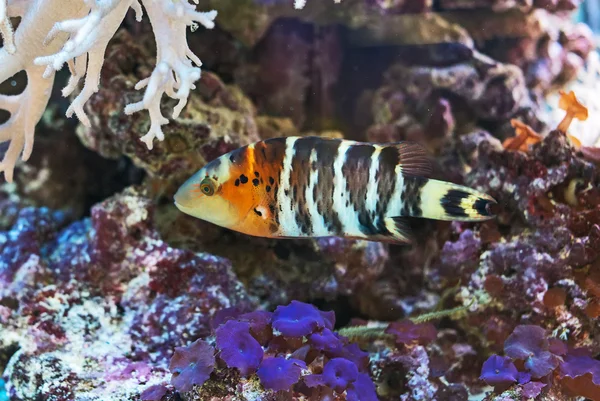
x,y
569,103
525,136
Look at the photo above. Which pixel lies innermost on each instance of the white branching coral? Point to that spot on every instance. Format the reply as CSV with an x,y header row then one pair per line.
x,y
53,33
299,4
174,73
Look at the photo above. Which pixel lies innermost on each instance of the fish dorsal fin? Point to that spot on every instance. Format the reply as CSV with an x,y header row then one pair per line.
x,y
414,159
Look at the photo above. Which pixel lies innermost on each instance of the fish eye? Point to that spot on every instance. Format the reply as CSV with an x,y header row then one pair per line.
x,y
207,187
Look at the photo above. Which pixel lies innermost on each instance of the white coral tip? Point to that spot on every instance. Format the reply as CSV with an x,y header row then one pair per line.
x,y
79,113
148,139
134,108
28,148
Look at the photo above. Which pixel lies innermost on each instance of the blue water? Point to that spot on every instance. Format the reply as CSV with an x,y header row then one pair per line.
x,y
3,395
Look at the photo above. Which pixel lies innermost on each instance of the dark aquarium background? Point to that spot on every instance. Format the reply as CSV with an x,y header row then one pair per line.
x,y
108,292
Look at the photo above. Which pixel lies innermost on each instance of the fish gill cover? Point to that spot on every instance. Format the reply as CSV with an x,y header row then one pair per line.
x,y
108,293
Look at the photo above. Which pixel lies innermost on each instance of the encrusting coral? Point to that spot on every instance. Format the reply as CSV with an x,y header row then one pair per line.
x,y
54,32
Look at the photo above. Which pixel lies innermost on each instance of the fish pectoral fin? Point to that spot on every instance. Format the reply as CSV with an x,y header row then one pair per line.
x,y
400,229
414,159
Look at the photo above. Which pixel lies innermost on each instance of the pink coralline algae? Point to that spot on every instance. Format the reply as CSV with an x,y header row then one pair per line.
x,y
97,290
407,332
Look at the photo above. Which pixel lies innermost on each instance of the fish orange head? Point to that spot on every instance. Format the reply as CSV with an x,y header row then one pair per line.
x,y
206,195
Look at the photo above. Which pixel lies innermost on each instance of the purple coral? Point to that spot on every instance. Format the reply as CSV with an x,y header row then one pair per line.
x,y
325,340
353,353
344,363
238,348
279,373
154,393
579,363
339,374
192,365
523,377
362,390
498,371
529,343
223,315
533,389
299,319
260,325
342,375
580,374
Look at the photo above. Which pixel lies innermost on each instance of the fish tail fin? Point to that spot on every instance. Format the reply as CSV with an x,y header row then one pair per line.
x,y
441,200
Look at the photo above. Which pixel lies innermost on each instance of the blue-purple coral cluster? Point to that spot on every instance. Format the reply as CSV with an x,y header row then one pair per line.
x,y
291,349
533,362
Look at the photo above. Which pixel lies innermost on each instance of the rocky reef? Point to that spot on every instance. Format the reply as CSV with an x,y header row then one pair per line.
x,y
108,292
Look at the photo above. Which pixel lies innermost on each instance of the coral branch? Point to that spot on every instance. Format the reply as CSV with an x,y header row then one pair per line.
x,y
6,30
37,18
299,4
18,8
25,111
175,73
89,37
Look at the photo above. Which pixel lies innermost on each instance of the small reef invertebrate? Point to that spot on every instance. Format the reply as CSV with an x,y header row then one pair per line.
x,y
574,110
316,187
526,136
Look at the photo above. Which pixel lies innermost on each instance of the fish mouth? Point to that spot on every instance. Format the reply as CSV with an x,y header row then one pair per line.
x,y
183,208
183,197
198,211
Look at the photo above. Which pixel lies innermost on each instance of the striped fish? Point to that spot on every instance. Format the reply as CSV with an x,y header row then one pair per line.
x,y
316,187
